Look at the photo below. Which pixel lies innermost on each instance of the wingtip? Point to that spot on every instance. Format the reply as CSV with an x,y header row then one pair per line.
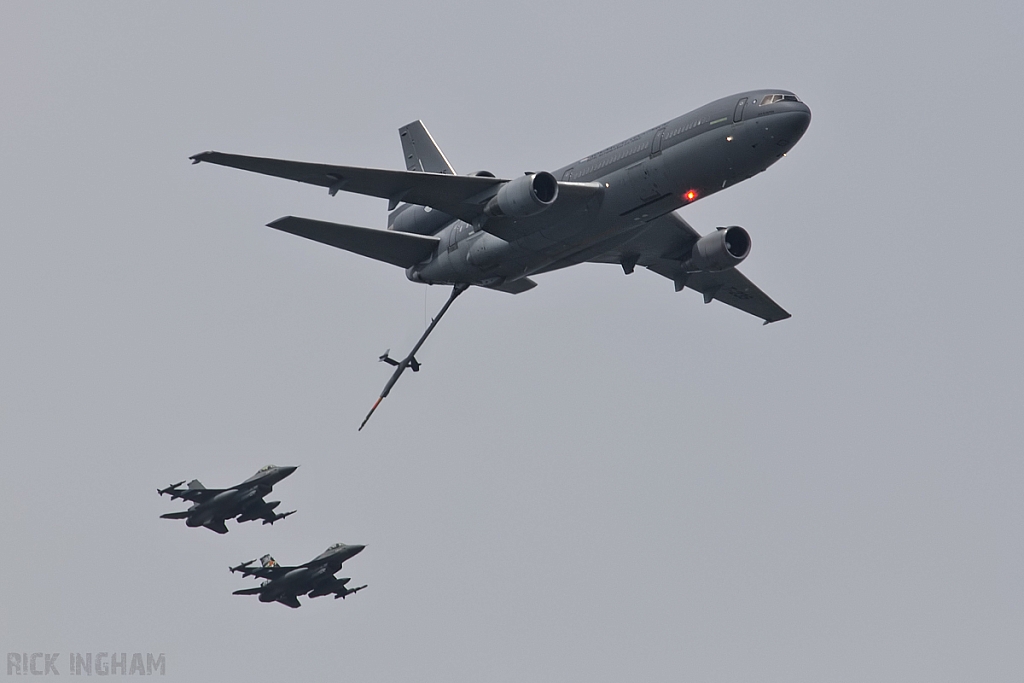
x,y
785,316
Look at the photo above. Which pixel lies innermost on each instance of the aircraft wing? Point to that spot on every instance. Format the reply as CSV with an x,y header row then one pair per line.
x,y
458,195
269,572
192,495
666,243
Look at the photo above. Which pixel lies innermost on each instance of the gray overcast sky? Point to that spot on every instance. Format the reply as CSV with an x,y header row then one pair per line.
x,y
599,480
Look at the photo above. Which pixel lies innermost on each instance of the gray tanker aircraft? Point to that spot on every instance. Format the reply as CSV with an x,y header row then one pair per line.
x,y
616,206
315,578
244,502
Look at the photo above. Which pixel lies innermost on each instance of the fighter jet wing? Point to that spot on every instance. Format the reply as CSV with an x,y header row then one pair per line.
x,y
192,495
460,196
666,243
269,572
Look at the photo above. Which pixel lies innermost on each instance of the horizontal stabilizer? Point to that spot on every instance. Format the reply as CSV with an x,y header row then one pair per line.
x,y
217,525
397,248
175,515
290,600
248,591
523,284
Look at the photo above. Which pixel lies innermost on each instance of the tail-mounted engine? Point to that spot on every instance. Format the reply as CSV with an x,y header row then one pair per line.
x,y
525,196
720,250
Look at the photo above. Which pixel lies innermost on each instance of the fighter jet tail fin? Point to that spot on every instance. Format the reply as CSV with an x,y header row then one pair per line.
x,y
196,484
397,248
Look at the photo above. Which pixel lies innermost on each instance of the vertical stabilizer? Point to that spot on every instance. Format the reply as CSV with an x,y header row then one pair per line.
x,y
196,484
421,152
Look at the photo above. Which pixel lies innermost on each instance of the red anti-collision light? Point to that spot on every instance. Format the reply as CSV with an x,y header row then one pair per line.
x,y
690,195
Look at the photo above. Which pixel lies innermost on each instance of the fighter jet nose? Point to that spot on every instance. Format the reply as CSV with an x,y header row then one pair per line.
x,y
356,549
288,470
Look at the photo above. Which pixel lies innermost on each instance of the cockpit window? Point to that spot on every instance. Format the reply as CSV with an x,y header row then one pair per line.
x,y
266,468
772,99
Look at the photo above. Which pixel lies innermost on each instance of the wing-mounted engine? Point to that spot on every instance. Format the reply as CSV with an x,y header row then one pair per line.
x,y
525,196
720,250
423,220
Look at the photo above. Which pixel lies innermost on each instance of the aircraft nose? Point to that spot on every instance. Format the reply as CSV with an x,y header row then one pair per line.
x,y
790,125
356,549
288,470
802,117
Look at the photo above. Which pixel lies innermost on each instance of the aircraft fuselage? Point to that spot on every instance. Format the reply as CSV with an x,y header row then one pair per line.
x,y
643,177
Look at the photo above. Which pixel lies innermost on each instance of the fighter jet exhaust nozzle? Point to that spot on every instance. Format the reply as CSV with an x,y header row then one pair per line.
x,y
720,250
527,195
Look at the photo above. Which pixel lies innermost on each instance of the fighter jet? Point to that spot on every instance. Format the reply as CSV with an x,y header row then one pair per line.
x,y
315,578
243,502
615,206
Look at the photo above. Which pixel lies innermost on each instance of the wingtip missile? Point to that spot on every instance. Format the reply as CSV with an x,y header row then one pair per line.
x,y
242,567
170,489
349,591
279,517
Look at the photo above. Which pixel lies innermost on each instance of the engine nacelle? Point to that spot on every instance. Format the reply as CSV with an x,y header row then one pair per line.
x,y
720,250
525,196
420,220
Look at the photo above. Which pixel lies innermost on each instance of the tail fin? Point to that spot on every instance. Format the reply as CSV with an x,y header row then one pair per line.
x,y
196,484
420,150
